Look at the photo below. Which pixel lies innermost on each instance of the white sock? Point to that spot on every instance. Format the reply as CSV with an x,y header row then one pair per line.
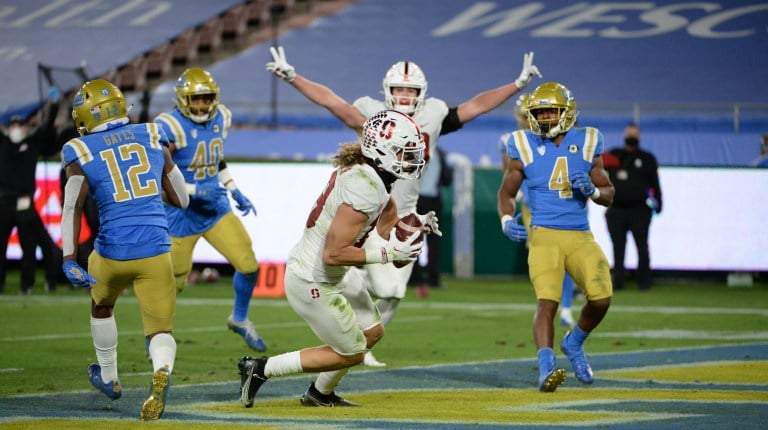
x,y
104,333
162,351
288,363
326,382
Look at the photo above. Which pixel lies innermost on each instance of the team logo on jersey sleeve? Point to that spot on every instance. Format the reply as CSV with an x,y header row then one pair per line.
x,y
573,148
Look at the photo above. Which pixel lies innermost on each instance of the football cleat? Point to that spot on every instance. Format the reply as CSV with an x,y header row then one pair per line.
x,y
248,332
578,360
251,378
154,406
549,382
312,397
371,361
111,389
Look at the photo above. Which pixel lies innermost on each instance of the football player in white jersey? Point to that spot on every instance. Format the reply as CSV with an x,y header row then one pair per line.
x,y
354,208
405,90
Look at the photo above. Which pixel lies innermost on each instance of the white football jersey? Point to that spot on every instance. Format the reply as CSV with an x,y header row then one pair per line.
x,y
358,186
430,119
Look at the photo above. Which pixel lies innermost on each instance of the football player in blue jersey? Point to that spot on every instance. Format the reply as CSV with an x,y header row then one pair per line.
x,y
563,168
126,169
197,129
521,116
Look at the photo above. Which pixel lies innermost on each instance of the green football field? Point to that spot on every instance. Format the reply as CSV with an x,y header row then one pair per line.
x,y
683,355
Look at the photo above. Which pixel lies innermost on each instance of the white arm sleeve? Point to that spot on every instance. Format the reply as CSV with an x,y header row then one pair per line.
x,y
71,191
226,178
177,181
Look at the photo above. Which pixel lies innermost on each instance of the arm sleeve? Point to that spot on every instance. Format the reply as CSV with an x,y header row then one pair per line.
x,y
451,121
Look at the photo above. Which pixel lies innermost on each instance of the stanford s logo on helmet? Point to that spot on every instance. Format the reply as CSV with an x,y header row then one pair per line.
x,y
393,141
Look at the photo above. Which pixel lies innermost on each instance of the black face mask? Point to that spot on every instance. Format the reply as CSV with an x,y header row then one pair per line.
x,y
632,142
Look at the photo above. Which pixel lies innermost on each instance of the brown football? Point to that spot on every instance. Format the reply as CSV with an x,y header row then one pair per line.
x,y
407,226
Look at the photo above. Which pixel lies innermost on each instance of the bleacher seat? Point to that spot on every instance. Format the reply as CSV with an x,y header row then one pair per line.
x,y
185,47
159,61
210,36
235,23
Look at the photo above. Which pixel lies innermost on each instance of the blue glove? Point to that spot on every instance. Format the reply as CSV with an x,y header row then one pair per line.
x,y
580,180
243,204
77,275
54,93
209,191
514,230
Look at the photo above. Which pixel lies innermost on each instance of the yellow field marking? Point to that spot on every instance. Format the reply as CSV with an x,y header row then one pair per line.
x,y
741,372
526,406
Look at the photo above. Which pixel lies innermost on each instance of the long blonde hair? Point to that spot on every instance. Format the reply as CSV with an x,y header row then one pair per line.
x,y
349,154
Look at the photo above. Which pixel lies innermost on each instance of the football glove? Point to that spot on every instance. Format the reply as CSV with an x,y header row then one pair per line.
x,y
513,229
280,66
580,180
54,93
208,191
405,250
529,69
77,275
243,204
429,223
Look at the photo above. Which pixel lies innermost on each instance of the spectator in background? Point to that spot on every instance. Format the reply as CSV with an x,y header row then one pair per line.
x,y
197,129
762,160
635,176
563,168
20,147
426,270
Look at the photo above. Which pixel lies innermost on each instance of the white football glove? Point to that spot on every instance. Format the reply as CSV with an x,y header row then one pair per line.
x,y
394,249
529,69
280,66
429,223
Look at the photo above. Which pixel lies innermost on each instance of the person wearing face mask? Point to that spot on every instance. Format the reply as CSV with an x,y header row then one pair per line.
x,y
634,174
20,147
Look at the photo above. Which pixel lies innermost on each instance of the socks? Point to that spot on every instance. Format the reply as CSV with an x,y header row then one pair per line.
x,y
244,285
104,333
577,337
288,363
546,361
326,382
162,351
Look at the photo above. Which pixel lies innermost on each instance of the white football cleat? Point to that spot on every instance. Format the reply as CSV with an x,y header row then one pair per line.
x,y
371,361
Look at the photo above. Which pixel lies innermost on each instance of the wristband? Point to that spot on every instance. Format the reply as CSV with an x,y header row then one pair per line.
x,y
504,220
595,195
376,255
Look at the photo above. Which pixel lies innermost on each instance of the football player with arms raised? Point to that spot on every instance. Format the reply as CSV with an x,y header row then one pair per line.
x,y
197,129
405,90
127,169
354,207
562,167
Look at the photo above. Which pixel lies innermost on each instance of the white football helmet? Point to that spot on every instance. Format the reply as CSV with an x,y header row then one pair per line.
x,y
393,141
408,75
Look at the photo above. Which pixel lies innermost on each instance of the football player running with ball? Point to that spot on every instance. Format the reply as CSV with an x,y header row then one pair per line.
x,y
405,90
197,129
126,168
562,167
354,207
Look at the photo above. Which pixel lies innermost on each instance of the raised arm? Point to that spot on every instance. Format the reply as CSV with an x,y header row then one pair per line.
x,y
315,92
491,99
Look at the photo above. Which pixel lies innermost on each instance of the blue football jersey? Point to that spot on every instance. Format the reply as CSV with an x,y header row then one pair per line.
x,y
199,148
124,169
547,167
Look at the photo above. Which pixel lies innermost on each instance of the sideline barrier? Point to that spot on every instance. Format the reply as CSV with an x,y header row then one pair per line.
x,y
271,281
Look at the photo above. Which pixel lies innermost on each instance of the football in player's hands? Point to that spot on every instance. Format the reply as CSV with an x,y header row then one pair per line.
x,y
404,229
408,226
